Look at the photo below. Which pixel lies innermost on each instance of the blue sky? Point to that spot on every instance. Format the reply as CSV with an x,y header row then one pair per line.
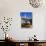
x,y
26,15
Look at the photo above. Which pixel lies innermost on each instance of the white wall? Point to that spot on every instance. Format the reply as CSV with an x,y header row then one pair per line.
x,y
45,28
12,8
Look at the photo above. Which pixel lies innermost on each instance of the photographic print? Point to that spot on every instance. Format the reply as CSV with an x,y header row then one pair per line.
x,y
26,19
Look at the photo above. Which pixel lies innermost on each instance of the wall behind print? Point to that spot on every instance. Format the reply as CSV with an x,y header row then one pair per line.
x,y
12,8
